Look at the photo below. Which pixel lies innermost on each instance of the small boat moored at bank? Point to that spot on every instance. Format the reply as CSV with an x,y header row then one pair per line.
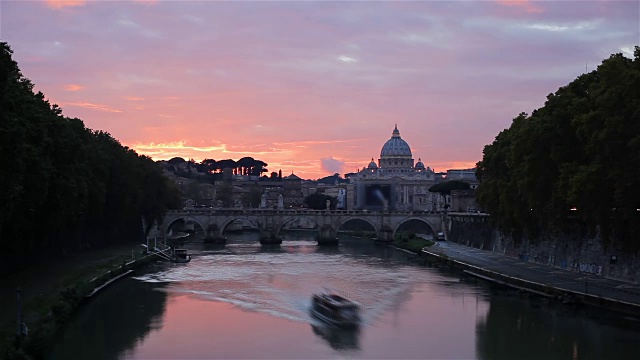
x,y
335,310
180,256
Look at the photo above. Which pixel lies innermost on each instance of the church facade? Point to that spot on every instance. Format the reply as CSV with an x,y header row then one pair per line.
x,y
395,182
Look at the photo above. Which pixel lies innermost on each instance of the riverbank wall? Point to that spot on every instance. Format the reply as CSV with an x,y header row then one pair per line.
x,y
54,312
545,290
574,252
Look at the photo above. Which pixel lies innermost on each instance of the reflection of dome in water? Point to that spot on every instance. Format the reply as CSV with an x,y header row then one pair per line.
x,y
395,146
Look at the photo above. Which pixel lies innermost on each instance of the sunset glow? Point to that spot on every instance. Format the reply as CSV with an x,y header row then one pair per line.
x,y
310,87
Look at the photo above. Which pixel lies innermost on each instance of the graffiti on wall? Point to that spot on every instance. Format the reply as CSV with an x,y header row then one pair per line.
x,y
587,268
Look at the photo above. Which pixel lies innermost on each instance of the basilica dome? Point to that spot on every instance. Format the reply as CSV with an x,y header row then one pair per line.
x,y
372,164
395,146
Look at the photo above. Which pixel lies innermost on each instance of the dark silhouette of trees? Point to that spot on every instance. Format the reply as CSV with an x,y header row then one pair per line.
x,y
318,201
575,162
332,179
445,187
64,186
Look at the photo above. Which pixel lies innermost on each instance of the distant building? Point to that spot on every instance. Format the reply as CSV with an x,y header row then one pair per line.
x,y
395,182
466,175
292,191
463,200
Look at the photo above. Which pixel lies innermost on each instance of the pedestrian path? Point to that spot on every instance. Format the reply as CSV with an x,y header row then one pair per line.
x,y
571,281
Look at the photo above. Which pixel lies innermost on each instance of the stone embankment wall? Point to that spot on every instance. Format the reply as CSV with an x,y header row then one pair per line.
x,y
567,251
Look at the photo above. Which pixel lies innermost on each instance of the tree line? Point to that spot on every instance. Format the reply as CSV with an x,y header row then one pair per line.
x,y
574,163
244,166
64,186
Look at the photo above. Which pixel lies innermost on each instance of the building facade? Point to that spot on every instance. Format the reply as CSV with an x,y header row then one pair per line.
x,y
394,182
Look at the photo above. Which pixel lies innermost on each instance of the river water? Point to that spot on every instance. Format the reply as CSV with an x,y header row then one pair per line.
x,y
245,301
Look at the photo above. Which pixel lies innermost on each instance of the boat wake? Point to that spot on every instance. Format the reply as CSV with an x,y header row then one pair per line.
x,y
282,284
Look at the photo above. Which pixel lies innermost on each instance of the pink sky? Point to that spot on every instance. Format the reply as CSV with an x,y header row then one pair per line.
x,y
310,87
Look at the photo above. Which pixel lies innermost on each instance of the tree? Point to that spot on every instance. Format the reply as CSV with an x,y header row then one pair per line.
x,y
574,163
252,198
68,187
444,188
224,193
176,161
318,201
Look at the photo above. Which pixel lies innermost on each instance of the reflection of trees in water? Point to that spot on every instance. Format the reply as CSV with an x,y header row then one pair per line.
x,y
339,339
133,312
547,331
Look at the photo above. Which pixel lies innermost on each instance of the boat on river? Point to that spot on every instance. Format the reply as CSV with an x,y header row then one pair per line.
x,y
335,310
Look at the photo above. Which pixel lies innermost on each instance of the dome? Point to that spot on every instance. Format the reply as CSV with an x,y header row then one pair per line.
x,y
395,146
372,164
420,165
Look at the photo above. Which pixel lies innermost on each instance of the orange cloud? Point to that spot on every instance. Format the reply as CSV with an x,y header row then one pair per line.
x,y
525,5
73,87
59,4
314,142
134,98
91,106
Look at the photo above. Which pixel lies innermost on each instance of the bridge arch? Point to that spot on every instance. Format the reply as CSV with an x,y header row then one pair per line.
x,y
431,226
351,218
290,219
231,219
184,218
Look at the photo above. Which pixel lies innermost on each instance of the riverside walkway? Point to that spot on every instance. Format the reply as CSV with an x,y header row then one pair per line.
x,y
543,279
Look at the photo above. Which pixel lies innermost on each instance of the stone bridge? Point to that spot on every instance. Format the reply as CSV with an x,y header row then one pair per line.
x,y
270,222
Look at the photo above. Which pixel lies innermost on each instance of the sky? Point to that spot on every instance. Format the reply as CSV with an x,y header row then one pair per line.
x,y
310,87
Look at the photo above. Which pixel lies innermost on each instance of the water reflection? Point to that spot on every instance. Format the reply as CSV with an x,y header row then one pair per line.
x,y
252,302
534,329
337,338
133,313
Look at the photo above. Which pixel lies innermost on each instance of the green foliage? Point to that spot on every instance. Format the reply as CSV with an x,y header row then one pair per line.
x,y
64,186
445,187
225,194
580,151
252,198
318,201
411,242
332,179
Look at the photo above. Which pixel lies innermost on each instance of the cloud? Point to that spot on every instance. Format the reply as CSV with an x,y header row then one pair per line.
x,y
88,105
73,87
59,4
332,165
347,59
524,5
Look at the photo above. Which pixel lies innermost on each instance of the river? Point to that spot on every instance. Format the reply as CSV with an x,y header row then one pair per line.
x,y
245,301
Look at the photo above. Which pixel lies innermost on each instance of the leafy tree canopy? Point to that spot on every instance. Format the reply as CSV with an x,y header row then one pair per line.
x,y
318,201
332,179
573,162
64,186
445,187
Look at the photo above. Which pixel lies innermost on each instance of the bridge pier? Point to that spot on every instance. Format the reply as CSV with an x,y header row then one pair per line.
x,y
385,236
327,236
269,237
213,235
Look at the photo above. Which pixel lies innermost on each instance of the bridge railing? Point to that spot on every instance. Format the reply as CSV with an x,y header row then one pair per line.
x,y
258,211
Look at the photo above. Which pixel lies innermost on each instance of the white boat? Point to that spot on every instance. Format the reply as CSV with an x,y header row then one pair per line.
x,y
335,310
